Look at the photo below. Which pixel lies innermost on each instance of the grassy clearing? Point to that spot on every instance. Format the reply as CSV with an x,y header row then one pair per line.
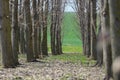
x,y
70,40
71,57
70,30
70,49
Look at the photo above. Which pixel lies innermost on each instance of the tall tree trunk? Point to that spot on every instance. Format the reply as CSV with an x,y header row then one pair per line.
x,y
35,29
39,29
93,29
114,6
56,21
88,29
99,46
21,28
28,32
53,28
7,55
58,27
107,53
15,31
44,27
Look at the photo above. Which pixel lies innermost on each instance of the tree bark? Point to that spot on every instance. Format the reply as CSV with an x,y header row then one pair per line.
x,y
93,29
114,6
107,53
15,31
28,32
88,29
44,27
52,29
35,51
7,55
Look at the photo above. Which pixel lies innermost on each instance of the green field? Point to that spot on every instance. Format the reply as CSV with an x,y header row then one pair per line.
x,y
70,34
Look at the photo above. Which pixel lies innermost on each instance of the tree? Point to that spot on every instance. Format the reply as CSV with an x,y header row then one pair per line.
x,y
93,28
99,36
52,28
35,51
21,27
15,31
114,6
88,28
107,53
28,32
39,29
84,24
7,55
44,26
55,30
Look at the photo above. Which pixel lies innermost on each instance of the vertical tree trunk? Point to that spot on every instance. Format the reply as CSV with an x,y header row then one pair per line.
x,y
15,31
114,6
107,53
35,29
44,27
53,28
7,55
99,46
58,27
56,21
93,29
28,32
88,29
21,28
81,17
39,29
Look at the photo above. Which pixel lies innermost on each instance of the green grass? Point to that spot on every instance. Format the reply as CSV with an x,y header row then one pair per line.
x,y
71,49
71,57
70,34
70,30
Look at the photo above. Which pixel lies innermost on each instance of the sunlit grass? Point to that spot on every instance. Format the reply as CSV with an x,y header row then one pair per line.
x,y
71,57
69,49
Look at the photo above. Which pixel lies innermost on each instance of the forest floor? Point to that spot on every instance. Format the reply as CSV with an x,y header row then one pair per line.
x,y
52,70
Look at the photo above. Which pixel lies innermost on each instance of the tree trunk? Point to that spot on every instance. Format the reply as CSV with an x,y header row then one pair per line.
x,y
107,53
114,6
7,55
35,51
22,28
39,29
44,27
93,30
53,28
58,27
88,29
15,31
28,32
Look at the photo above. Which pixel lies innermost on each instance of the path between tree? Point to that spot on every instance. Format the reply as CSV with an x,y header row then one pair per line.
x,y
52,70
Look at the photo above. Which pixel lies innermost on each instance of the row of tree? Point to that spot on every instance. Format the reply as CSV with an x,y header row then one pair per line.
x,y
24,23
101,42
24,26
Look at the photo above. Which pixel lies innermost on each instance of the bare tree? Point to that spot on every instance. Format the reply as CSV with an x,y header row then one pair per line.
x,y
57,10
114,6
7,55
107,53
80,12
44,11
35,51
21,24
28,31
15,31
93,28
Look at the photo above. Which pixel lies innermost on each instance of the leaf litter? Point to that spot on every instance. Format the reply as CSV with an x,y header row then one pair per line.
x,y
52,70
